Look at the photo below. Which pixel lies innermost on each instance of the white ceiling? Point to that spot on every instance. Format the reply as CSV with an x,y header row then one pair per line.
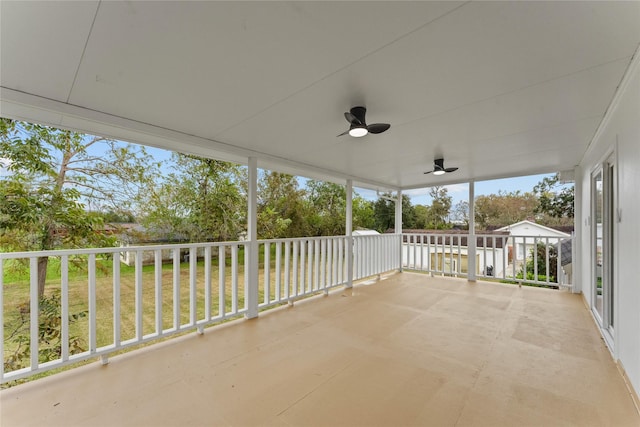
x,y
497,88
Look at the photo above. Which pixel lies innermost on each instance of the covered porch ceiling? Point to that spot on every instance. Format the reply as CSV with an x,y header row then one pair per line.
x,y
497,88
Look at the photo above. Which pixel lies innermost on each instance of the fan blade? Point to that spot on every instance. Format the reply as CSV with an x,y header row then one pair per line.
x,y
352,119
343,133
447,170
378,127
428,172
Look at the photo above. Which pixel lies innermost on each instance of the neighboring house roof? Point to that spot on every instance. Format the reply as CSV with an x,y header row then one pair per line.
x,y
565,254
528,228
364,232
453,237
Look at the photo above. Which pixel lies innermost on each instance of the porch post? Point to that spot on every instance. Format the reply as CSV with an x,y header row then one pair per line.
x,y
471,241
349,233
252,235
576,244
398,227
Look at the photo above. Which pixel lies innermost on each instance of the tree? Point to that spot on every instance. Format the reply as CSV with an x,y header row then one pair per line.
x,y
422,216
201,201
385,213
460,213
363,213
440,206
328,208
504,208
281,207
554,199
53,173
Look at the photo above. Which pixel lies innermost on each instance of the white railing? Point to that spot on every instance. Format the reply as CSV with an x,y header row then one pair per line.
x,y
294,268
504,257
110,305
375,254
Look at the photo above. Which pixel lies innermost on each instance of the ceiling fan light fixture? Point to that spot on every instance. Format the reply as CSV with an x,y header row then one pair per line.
x,y
439,172
358,131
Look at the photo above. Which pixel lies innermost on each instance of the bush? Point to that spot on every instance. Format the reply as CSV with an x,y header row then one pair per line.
x,y
18,343
541,250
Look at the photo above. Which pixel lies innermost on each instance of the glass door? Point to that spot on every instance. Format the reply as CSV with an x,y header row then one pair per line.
x,y
603,184
597,215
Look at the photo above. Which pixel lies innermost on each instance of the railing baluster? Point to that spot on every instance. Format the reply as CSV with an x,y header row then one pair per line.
x,y
234,279
207,283
326,262
459,248
246,277
559,272
302,283
333,278
505,256
193,285
267,272
287,270
548,272
316,265
310,254
493,245
536,273
64,301
92,304
484,254
138,295
341,260
295,272
450,254
323,263
34,313
277,295
158,289
176,289
222,280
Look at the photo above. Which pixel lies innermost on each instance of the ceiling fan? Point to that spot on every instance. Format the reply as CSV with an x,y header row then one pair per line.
x,y
439,169
358,127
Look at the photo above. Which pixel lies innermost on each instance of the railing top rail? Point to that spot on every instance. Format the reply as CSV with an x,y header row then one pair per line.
x,y
116,249
297,239
491,235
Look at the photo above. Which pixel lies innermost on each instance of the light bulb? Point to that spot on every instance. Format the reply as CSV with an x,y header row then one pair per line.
x,y
358,131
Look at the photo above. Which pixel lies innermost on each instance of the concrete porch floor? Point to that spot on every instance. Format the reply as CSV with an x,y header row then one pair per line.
x,y
408,350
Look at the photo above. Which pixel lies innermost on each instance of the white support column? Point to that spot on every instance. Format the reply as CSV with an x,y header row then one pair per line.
x,y
578,220
349,233
252,235
398,227
471,241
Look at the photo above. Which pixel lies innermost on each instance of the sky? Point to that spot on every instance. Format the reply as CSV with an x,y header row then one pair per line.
x,y
458,192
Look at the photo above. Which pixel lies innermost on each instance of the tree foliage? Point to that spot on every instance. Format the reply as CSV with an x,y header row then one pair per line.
x,y
281,206
385,213
460,213
536,263
53,175
438,215
554,199
497,210
202,200
17,339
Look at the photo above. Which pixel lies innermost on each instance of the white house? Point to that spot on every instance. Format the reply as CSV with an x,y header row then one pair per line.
x,y
526,234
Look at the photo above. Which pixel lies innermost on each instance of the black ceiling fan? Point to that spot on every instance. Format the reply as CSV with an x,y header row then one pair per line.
x,y
358,127
439,169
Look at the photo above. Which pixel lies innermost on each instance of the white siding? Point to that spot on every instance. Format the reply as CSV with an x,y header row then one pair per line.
x,y
620,131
